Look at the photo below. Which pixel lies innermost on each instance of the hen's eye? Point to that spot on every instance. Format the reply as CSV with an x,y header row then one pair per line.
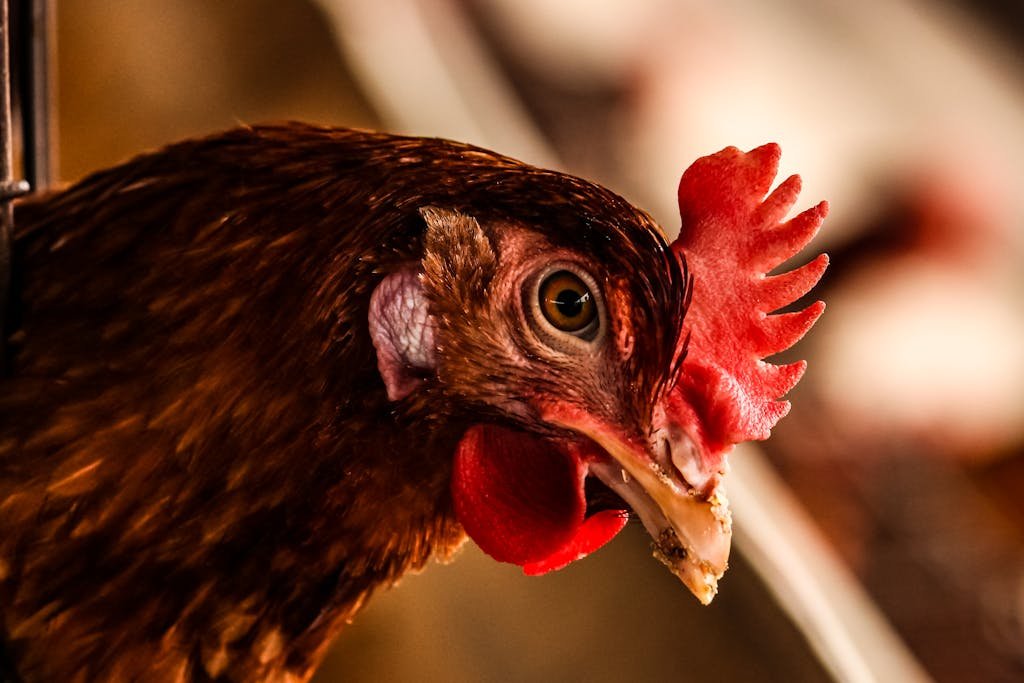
x,y
567,303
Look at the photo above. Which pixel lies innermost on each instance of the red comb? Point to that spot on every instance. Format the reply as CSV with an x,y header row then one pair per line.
x,y
731,236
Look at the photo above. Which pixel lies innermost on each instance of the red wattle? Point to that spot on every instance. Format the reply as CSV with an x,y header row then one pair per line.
x,y
596,530
521,499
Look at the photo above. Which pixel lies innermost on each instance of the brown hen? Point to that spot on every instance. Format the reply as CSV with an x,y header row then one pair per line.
x,y
258,375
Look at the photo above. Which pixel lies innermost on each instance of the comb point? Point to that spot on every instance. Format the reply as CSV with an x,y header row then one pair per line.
x,y
779,380
777,245
783,289
777,204
783,330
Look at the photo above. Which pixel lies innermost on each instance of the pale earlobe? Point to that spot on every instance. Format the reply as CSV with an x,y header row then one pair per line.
x,y
403,332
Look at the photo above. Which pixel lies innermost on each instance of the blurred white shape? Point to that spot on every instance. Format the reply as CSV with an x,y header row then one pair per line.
x,y
850,635
427,74
927,341
918,349
581,42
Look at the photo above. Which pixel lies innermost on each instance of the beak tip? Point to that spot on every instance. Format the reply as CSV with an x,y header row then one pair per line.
x,y
705,597
698,575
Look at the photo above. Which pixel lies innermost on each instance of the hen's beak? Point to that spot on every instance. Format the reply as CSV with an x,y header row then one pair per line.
x,y
688,520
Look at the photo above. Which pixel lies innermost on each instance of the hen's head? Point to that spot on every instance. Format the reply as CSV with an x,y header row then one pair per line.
x,y
579,345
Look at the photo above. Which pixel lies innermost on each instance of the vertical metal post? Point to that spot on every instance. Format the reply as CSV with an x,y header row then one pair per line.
x,y
9,188
6,177
6,136
35,91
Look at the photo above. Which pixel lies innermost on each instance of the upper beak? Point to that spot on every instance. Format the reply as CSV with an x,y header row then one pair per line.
x,y
688,520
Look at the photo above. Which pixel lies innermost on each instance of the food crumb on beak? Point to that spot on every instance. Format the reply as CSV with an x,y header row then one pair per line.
x,y
667,548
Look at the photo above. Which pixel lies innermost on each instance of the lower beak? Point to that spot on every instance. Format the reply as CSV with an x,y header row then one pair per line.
x,y
691,528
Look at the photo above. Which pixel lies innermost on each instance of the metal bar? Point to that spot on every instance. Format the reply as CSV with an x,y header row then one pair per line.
x,y
34,64
6,177
6,135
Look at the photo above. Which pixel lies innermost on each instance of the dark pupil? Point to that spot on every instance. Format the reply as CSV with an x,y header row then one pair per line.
x,y
570,303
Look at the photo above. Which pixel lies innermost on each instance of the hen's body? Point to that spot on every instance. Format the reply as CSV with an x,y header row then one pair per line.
x,y
201,476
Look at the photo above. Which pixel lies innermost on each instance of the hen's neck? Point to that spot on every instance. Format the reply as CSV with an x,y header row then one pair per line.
x,y
244,567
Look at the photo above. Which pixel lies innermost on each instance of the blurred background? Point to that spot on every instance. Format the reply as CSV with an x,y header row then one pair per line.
x,y
896,485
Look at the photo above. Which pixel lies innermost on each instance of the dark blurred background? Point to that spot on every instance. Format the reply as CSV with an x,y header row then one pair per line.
x,y
904,449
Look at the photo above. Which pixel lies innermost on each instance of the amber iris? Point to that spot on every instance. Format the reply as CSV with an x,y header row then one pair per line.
x,y
566,302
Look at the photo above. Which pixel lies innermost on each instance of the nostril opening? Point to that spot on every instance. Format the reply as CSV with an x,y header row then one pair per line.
x,y
679,458
665,458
